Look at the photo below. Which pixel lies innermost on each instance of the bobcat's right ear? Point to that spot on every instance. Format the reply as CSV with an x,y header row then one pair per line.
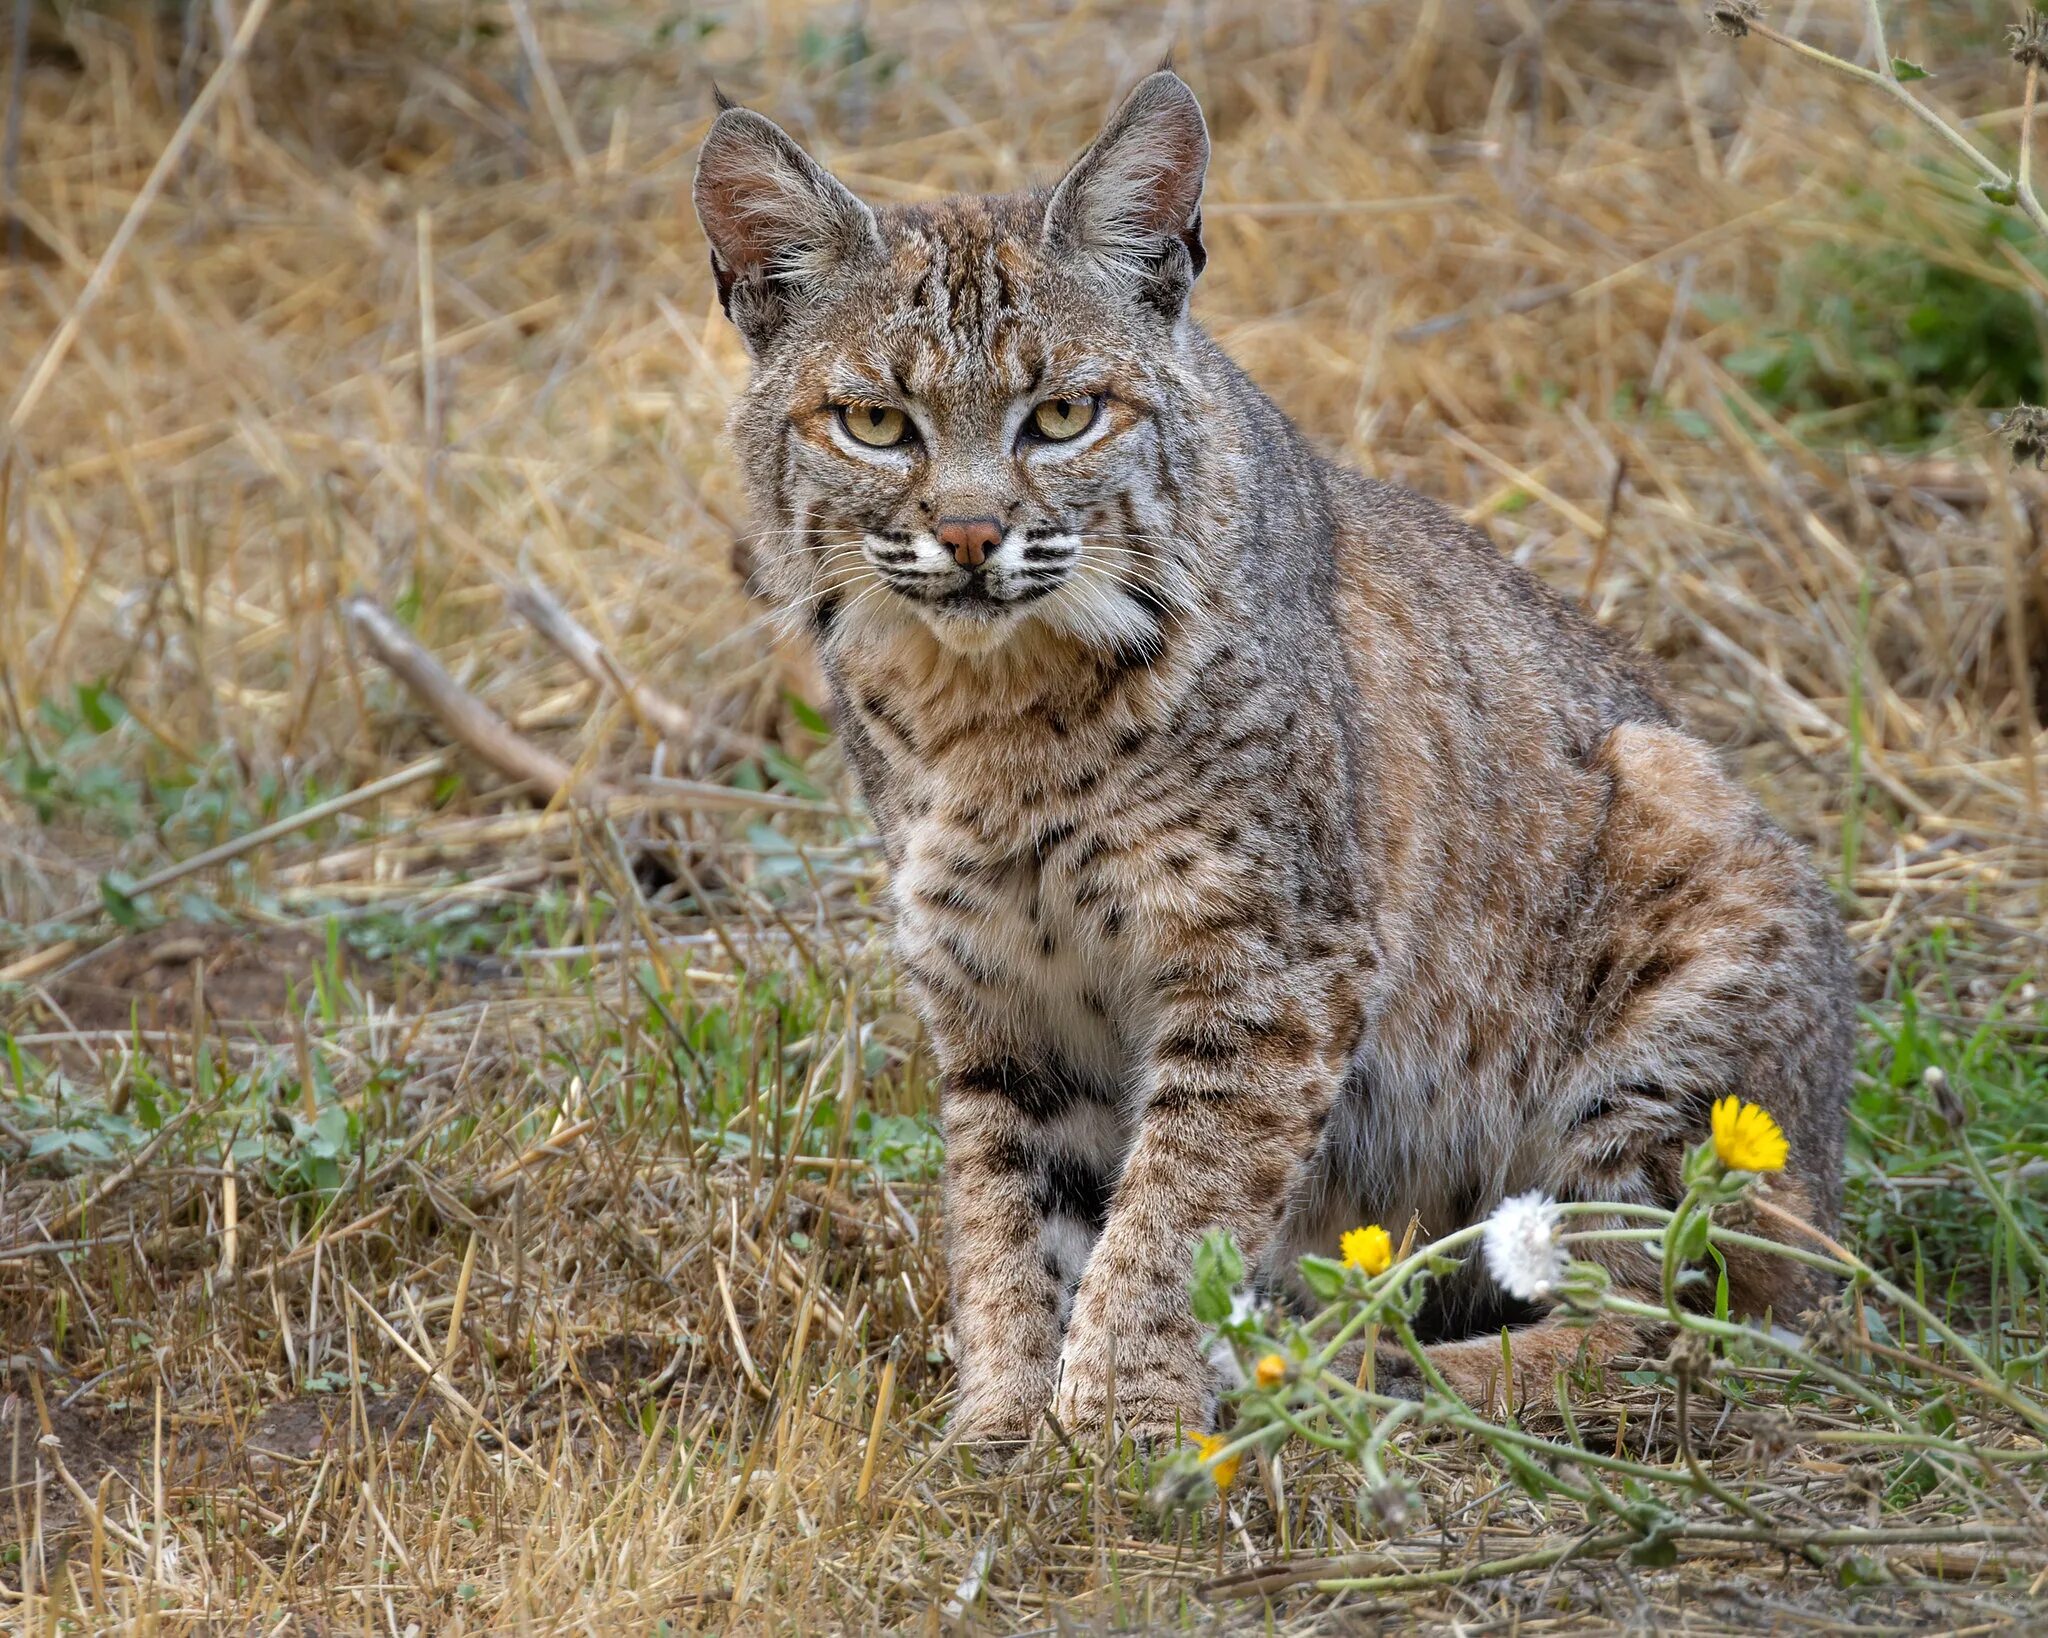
x,y
780,225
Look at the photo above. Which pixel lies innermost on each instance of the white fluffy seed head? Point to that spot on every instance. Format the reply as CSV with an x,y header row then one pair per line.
x,y
1524,1245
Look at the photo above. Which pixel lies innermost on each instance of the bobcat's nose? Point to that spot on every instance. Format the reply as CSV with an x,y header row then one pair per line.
x,y
970,540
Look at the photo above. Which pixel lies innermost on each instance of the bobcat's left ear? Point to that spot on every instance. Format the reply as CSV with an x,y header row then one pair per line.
x,y
1133,202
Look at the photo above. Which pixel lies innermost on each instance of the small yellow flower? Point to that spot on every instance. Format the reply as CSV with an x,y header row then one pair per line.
x,y
1270,1371
1225,1471
1746,1138
1369,1250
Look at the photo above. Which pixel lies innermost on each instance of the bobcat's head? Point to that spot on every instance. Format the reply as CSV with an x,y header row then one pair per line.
x,y
979,414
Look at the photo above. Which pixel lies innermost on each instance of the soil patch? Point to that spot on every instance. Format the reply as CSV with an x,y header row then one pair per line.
x,y
93,1443
245,975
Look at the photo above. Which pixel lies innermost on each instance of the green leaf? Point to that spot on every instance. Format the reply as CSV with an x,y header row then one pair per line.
x,y
1324,1277
69,1142
1753,361
120,905
807,714
789,774
1904,70
1692,1237
1999,193
1656,1553
1217,1273
99,706
330,1139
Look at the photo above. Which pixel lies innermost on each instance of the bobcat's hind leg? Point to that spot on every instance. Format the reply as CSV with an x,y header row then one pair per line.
x,y
1498,1375
1712,966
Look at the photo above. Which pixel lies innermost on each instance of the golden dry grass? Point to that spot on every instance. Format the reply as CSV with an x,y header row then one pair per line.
x,y
603,1326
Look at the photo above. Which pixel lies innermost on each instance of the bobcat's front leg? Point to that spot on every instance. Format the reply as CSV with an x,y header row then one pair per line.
x,y
1238,1089
1023,1201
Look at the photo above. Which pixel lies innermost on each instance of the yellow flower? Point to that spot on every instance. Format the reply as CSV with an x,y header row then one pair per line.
x,y
1270,1371
1369,1250
1225,1471
1746,1138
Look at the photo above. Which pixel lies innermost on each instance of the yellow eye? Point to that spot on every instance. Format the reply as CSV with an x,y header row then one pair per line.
x,y
1059,419
872,424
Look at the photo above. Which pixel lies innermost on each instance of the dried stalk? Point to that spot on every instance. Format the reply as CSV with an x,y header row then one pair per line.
x,y
473,724
550,89
10,152
236,847
54,354
661,716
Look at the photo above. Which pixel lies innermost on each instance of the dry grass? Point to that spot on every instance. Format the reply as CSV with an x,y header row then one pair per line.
x,y
613,1296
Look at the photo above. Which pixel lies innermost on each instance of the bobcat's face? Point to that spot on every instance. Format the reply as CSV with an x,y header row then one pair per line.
x,y
965,414
974,441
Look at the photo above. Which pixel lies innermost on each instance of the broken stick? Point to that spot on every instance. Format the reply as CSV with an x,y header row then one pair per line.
x,y
537,606
470,722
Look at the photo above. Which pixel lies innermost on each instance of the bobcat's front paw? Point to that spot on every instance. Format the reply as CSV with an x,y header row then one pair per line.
x,y
1002,1406
992,1422
1159,1399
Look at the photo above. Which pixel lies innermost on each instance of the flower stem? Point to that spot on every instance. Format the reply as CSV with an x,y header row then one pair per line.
x,y
1720,1237
1989,1382
1886,81
1729,1332
1707,1482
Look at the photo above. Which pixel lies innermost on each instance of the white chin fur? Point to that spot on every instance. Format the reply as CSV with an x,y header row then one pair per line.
x,y
971,635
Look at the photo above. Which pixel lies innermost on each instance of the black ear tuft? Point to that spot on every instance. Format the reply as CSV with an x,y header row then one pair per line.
x,y
718,96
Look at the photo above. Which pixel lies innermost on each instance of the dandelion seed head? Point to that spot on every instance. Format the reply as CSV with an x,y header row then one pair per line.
x,y
1733,17
1391,1502
2027,42
1936,1080
1771,1434
2025,431
1691,1356
1524,1246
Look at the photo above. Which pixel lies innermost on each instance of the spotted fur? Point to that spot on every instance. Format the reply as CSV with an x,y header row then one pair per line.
x,y
1267,851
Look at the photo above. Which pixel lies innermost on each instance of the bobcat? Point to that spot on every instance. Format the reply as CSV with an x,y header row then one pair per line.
x,y
1267,852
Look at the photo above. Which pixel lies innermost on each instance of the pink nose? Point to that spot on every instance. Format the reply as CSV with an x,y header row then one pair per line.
x,y
970,540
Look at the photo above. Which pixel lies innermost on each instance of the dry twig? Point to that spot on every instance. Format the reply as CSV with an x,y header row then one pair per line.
x,y
473,725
